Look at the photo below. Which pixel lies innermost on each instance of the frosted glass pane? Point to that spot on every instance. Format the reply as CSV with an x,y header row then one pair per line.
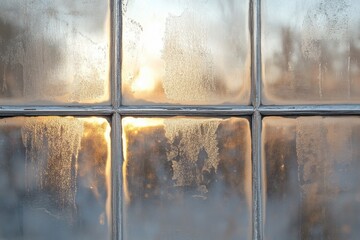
x,y
54,51
312,177
54,178
185,52
186,178
311,51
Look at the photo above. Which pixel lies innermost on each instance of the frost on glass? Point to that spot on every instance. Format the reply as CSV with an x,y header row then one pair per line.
x,y
186,178
311,51
185,52
54,178
312,177
54,51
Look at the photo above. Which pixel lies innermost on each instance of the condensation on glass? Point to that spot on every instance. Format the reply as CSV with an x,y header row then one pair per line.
x,y
185,52
312,177
186,178
54,52
55,178
311,51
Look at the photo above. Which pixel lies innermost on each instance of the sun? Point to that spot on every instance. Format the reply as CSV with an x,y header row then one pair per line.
x,y
145,81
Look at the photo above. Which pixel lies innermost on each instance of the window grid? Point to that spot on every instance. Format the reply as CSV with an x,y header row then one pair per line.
x,y
116,112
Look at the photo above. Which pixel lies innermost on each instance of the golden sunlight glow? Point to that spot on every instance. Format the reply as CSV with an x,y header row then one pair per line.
x,y
133,124
108,174
98,122
145,81
125,163
95,121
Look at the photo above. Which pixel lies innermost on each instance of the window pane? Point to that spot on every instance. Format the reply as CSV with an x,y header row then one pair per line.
x,y
54,178
312,175
187,178
311,51
186,52
54,51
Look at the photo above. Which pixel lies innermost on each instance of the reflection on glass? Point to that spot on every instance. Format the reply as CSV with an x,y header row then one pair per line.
x,y
311,51
312,177
54,178
185,52
186,178
54,51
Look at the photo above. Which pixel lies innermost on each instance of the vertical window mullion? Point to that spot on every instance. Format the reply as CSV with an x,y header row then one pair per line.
x,y
116,173
257,182
116,37
255,28
116,144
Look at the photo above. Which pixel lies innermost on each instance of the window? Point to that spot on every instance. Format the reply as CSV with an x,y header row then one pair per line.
x,y
55,128
162,119
309,143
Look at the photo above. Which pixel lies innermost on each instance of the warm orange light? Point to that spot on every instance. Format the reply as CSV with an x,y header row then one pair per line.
x,y
108,173
145,81
99,122
131,123
134,124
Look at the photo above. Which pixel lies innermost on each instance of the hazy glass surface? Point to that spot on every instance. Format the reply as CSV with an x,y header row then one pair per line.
x,y
312,177
311,51
186,178
54,51
54,178
185,52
